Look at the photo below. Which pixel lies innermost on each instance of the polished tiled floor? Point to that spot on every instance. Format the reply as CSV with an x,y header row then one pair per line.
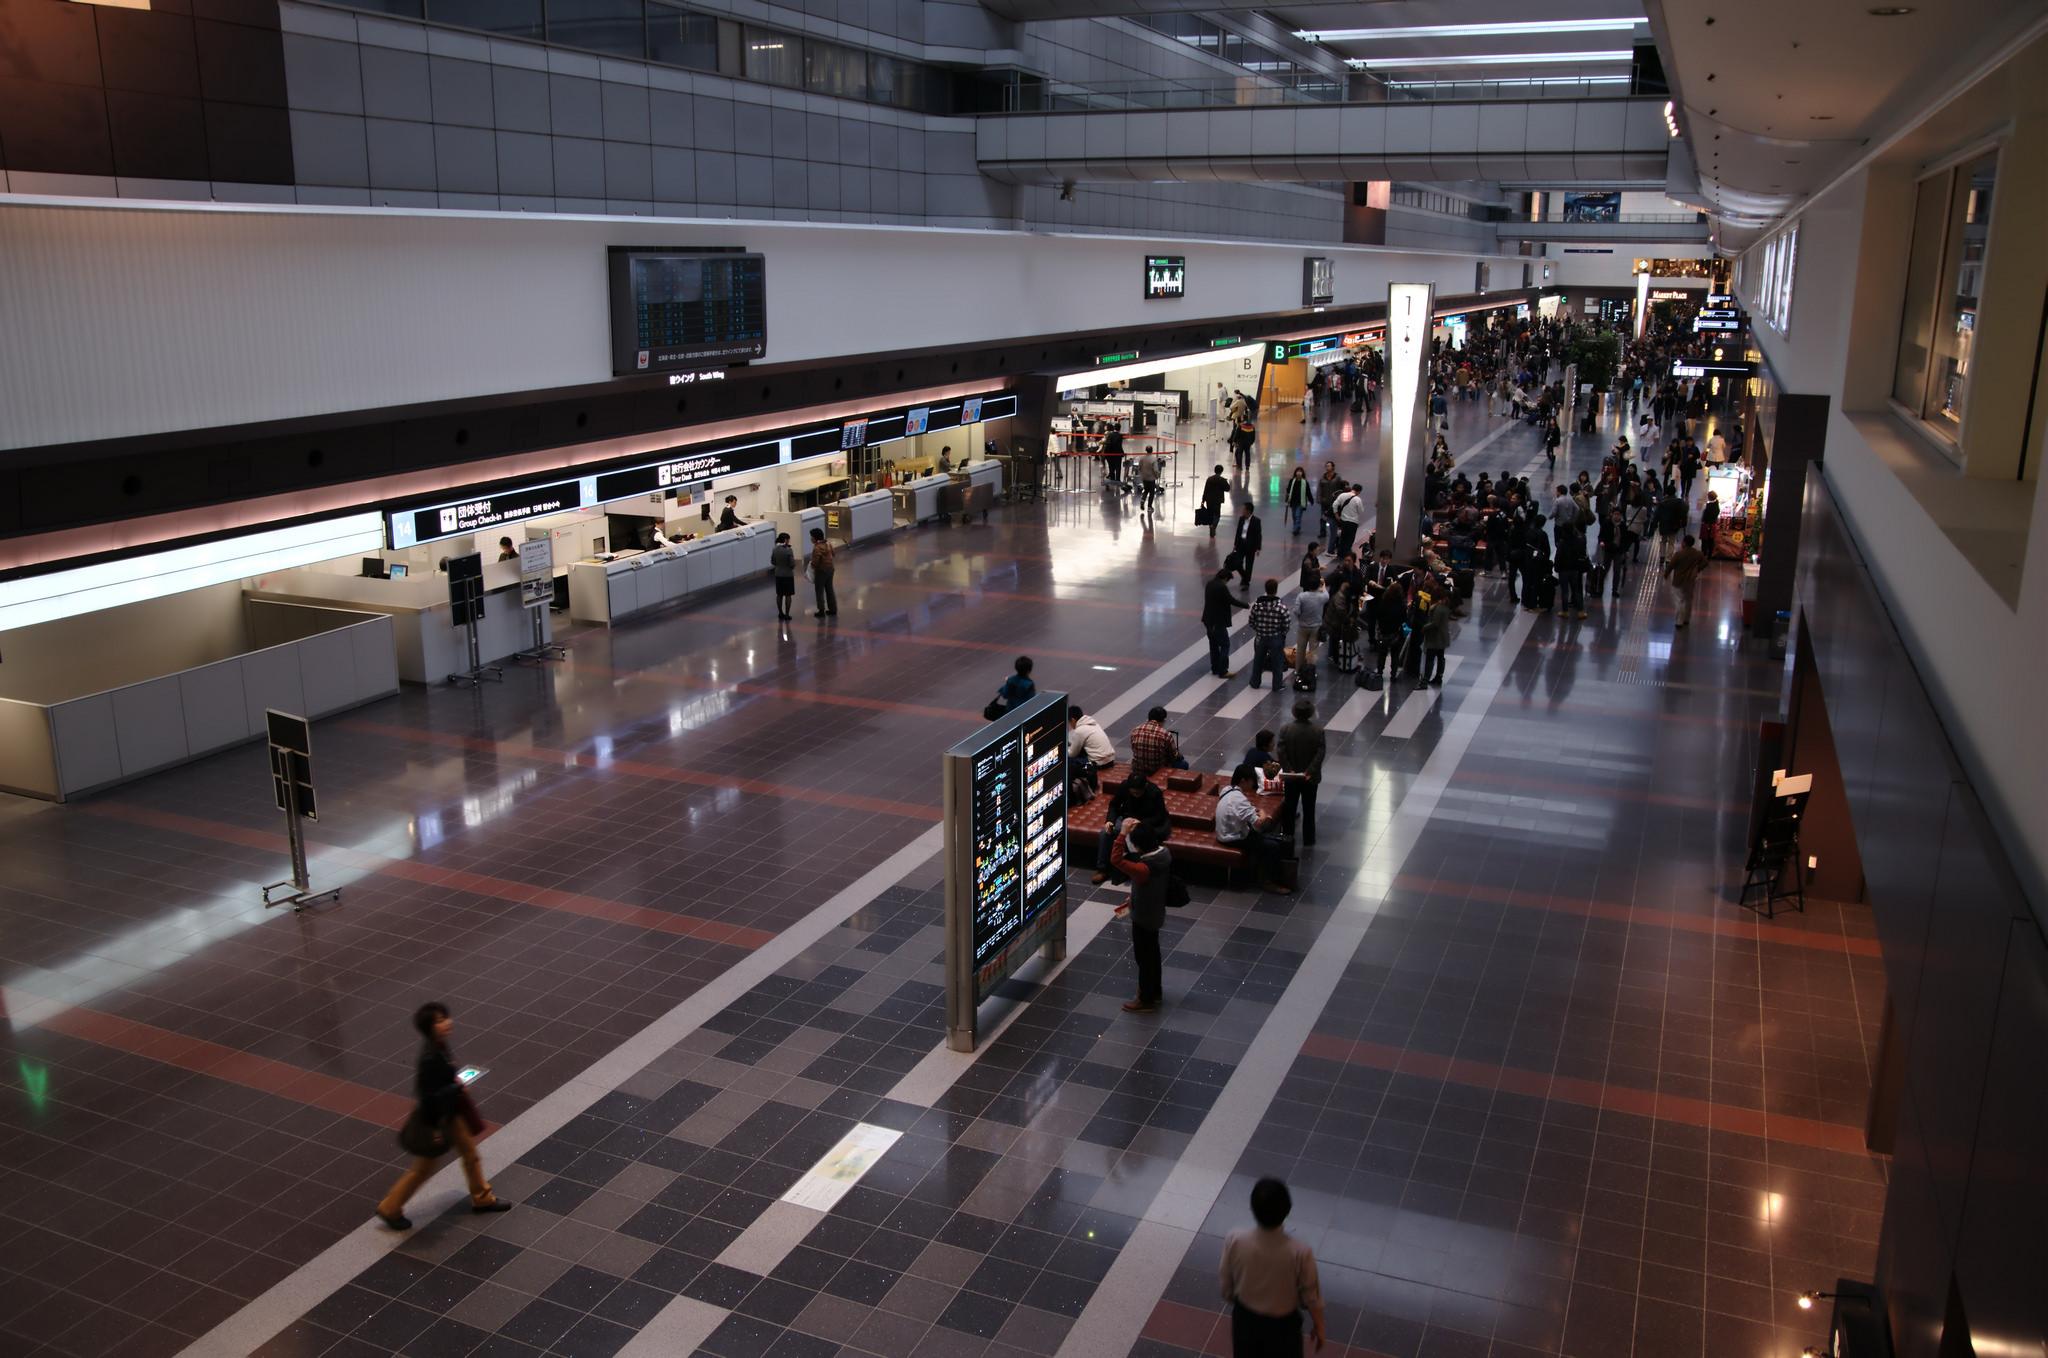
x,y
1540,1086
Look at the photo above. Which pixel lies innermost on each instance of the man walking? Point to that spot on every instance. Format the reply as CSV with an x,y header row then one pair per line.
x,y
1245,542
1301,747
1683,570
1309,606
1215,491
1349,506
1217,605
1269,634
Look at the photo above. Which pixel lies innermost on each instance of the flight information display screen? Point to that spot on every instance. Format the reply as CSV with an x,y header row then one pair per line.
x,y
1017,806
679,309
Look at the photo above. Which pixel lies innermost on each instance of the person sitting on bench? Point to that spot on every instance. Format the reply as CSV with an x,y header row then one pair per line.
x,y
1136,799
1240,826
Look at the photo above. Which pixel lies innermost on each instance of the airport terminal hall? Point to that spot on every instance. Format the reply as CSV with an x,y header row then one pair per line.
x,y
1023,679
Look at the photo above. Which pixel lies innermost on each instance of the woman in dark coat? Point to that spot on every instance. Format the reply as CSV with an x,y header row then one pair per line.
x,y
447,1117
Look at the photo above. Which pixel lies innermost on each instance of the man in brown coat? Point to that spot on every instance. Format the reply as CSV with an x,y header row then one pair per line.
x,y
1684,569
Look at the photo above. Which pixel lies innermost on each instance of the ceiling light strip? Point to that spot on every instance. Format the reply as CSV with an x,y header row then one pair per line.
x,y
1497,59
1519,28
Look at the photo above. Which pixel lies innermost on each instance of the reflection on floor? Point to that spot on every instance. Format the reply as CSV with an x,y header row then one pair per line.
x,y
1539,1085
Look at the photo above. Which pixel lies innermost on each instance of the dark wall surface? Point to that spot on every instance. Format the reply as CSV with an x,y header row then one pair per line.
x,y
184,90
1967,970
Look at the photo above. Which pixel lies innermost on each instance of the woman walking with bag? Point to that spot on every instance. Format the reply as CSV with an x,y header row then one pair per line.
x,y
445,1120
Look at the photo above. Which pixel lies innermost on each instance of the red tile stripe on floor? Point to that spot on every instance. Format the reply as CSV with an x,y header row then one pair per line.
x,y
1208,1333
1753,931
756,688
673,773
343,1098
1827,1136
475,883
1008,648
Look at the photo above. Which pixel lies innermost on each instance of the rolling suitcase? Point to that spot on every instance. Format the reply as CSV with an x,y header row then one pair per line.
x,y
1596,580
1546,592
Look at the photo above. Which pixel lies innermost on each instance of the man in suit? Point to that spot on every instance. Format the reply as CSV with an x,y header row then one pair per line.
x,y
1250,535
1217,604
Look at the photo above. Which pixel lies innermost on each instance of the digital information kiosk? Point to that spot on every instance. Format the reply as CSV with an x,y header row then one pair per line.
x,y
1006,854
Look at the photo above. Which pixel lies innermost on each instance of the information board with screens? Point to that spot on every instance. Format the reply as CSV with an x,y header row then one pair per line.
x,y
674,309
1165,276
1006,850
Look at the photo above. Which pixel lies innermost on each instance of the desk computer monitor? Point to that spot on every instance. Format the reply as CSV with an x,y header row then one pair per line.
x,y
373,568
399,570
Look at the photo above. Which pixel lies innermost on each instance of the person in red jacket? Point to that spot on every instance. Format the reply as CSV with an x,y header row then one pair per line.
x,y
1140,856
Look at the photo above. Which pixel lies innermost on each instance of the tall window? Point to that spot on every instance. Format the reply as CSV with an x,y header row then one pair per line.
x,y
1944,275
1771,297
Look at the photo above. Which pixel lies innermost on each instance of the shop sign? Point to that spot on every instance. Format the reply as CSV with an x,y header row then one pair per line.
x,y
482,513
1226,342
1125,357
1669,295
685,470
686,379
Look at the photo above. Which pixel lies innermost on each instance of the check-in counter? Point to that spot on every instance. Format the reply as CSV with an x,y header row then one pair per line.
x,y
752,545
709,561
861,516
798,523
987,473
918,499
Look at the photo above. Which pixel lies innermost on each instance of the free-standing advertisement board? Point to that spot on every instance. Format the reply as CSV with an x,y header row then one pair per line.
x,y
1006,854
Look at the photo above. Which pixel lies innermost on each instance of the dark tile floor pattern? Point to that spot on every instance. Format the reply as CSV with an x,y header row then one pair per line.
x,y
1469,1216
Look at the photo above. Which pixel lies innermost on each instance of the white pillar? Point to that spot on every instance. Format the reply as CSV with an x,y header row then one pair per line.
x,y
1404,439
1642,302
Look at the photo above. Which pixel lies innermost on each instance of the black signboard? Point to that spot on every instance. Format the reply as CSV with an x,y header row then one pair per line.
x,y
291,762
1318,280
1165,276
466,589
483,512
687,467
674,309
1008,839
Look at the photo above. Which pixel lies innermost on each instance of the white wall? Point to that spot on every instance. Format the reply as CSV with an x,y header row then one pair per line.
x,y
132,320
94,652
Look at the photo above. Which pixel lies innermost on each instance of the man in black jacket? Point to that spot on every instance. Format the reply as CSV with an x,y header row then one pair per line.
x,y
1217,605
1245,541
1301,770
1215,492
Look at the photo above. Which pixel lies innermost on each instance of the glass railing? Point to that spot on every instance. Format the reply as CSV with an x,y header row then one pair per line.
x,y
1624,219
1034,96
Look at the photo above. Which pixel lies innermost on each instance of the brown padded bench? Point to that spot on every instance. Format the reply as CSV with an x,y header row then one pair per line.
x,y
1190,814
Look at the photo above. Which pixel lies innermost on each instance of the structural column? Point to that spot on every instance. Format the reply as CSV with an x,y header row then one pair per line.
x,y
1404,439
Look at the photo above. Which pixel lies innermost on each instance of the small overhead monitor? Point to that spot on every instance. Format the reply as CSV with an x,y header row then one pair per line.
x,y
373,568
1165,276
399,570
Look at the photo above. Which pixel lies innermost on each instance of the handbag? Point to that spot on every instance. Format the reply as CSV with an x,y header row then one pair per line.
x,y
993,710
1176,891
422,1137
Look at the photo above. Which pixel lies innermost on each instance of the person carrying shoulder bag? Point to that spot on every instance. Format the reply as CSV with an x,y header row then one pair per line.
x,y
446,1119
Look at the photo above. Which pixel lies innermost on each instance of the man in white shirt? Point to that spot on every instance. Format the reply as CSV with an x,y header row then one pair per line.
x,y
1349,507
1717,449
1239,825
1308,627
1087,741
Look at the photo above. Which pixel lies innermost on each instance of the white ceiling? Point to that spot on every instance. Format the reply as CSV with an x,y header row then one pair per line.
x,y
1777,97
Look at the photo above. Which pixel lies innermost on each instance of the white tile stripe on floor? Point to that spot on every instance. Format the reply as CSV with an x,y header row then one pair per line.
x,y
1115,1316
1408,720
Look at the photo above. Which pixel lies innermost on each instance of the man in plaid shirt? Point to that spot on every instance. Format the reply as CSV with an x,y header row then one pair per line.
x,y
1153,747
1270,622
